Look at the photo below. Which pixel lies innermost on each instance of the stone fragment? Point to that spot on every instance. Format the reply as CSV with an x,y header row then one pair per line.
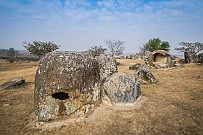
x,y
143,73
121,89
16,82
108,66
200,58
134,66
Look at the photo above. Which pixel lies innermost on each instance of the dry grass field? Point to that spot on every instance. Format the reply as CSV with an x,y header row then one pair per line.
x,y
173,106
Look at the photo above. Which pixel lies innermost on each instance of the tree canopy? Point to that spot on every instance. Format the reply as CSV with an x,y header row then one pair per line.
x,y
195,47
40,48
156,44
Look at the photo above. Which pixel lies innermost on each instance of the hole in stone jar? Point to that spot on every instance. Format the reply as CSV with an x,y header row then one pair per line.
x,y
160,58
60,95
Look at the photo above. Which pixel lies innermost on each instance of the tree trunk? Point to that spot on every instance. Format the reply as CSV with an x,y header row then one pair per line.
x,y
187,57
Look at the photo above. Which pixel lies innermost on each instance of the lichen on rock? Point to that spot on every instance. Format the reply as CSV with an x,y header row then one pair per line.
x,y
159,59
121,89
77,75
144,74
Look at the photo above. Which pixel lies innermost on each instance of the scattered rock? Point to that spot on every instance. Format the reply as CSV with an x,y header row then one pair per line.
x,y
121,89
6,105
16,82
70,83
179,65
134,66
200,58
119,63
143,73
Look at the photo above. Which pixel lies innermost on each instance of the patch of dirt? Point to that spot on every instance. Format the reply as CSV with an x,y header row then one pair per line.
x,y
174,106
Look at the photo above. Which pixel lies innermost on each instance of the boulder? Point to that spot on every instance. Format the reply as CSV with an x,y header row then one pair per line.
x,y
68,83
159,59
200,58
134,66
121,89
143,73
119,63
16,82
107,66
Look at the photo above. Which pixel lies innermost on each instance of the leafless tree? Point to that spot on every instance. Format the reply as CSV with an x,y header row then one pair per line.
x,y
191,51
143,50
116,47
97,50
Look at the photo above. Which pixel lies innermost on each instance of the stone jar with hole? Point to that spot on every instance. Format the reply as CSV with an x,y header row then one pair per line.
x,y
68,84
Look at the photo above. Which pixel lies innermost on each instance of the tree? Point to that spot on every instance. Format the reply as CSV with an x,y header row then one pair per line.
x,y
11,55
40,48
3,52
165,46
191,51
97,50
143,50
156,44
115,47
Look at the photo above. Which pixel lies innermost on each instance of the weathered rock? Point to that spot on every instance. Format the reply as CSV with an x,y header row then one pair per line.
x,y
200,58
69,83
17,82
121,89
119,63
159,59
134,66
192,57
143,73
108,66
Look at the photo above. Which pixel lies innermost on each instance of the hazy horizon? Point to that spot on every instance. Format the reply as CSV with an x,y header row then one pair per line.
x,y
78,25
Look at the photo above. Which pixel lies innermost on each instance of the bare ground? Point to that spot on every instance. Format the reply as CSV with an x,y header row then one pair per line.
x,y
172,106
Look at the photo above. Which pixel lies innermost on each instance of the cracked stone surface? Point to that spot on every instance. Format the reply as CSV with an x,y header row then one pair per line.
x,y
159,59
16,82
77,76
121,89
144,74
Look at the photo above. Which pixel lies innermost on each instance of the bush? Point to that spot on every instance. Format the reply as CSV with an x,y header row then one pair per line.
x,y
40,48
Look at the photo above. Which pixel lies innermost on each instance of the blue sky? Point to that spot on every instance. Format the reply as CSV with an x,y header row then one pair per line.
x,y
79,24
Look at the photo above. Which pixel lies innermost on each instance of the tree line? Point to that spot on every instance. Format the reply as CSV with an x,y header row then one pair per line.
x,y
191,51
40,48
116,47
